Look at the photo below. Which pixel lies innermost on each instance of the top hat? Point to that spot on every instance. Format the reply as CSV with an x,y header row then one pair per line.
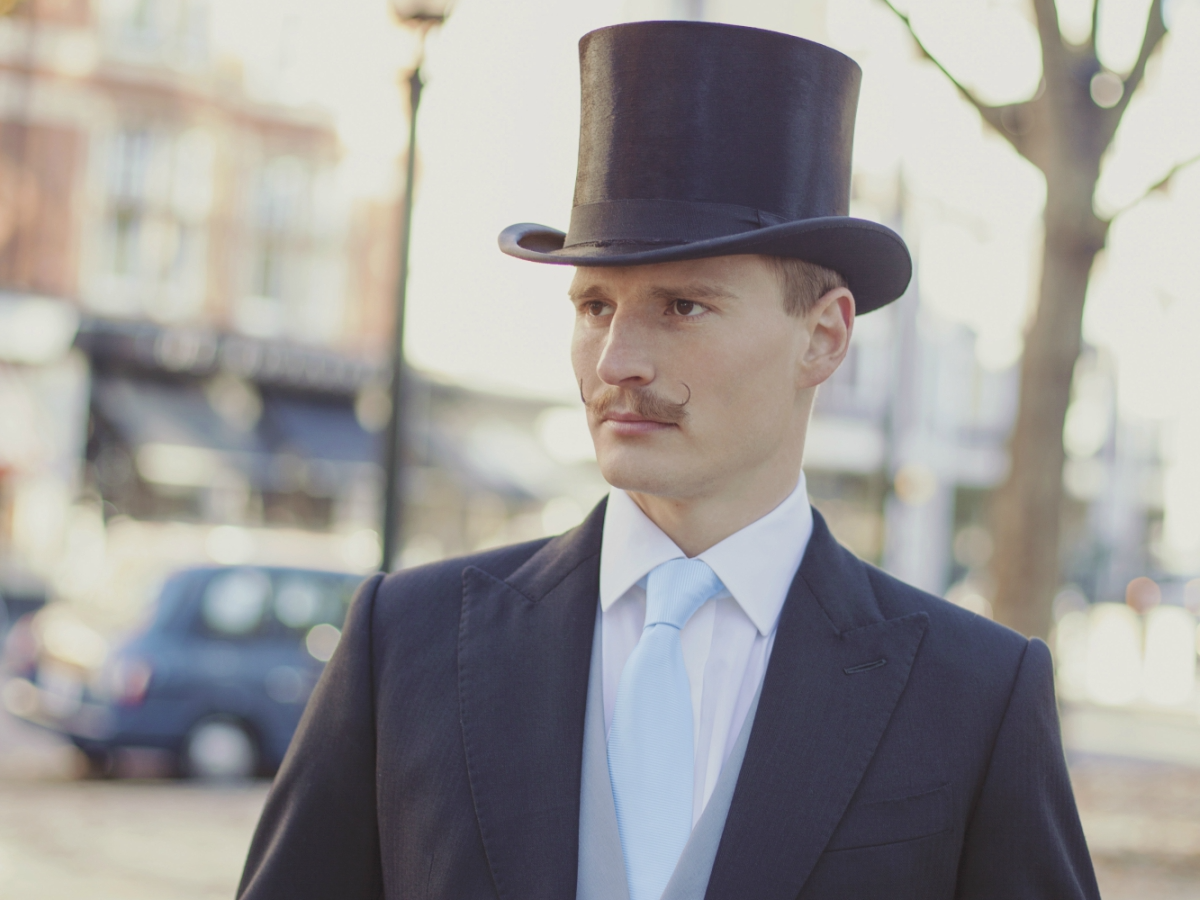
x,y
699,140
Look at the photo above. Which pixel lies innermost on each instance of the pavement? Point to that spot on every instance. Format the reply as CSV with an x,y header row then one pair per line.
x,y
139,837
128,840
1136,774
1142,822
131,838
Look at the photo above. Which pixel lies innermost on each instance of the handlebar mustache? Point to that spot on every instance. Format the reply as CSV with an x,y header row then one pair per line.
x,y
642,402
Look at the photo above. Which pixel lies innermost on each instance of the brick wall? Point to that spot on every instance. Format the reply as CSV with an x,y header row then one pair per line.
x,y
39,167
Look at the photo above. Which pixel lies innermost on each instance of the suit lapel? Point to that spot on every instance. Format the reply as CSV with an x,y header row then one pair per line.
x,y
523,656
826,700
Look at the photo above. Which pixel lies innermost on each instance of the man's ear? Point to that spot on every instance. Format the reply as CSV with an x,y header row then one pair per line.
x,y
829,323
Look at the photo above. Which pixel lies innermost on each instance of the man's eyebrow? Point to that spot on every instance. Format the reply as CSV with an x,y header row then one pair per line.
x,y
690,291
591,292
693,291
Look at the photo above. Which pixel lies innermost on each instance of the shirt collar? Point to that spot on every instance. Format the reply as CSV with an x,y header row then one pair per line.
x,y
756,564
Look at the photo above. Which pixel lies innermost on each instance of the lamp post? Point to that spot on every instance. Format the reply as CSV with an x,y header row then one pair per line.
x,y
421,16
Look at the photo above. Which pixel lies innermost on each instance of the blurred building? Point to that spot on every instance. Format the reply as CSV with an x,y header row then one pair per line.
x,y
193,324
153,210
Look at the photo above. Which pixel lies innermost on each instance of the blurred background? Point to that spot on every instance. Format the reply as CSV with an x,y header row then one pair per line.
x,y
202,207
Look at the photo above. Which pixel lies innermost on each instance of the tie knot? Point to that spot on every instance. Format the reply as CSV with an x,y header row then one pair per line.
x,y
676,589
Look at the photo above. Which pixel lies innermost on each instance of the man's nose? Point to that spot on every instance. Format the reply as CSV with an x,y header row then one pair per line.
x,y
626,358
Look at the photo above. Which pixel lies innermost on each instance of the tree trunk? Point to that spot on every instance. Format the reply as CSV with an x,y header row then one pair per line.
x,y
1064,131
1026,510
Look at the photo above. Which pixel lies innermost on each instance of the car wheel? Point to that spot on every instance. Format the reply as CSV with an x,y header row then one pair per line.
x,y
219,748
98,765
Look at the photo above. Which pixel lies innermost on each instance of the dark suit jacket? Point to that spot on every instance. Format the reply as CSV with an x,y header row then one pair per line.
x,y
903,747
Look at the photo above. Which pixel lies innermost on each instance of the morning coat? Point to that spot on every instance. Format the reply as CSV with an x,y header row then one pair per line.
x,y
903,748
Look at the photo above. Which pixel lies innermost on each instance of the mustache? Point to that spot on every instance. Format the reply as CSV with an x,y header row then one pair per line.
x,y
642,402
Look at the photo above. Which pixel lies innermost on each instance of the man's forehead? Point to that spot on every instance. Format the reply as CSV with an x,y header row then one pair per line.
x,y
711,277
691,289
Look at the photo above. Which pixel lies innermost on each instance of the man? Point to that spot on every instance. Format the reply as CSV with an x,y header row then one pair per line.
x,y
697,692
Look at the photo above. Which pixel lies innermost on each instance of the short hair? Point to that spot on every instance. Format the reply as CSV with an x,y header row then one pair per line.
x,y
803,283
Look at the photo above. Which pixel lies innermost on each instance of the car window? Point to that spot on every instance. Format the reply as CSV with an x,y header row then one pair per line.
x,y
254,603
311,606
236,602
347,587
174,597
300,602
306,599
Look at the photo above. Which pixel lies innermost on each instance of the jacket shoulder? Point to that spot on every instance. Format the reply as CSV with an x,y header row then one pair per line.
x,y
427,583
499,562
958,637
414,617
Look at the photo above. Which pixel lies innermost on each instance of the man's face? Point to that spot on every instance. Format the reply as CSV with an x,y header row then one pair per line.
x,y
694,375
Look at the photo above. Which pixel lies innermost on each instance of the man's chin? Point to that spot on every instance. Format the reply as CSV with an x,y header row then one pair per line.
x,y
639,473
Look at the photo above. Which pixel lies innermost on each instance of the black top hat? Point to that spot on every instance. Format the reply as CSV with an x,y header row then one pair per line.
x,y
698,139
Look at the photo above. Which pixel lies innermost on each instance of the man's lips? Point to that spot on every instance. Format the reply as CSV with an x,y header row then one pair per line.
x,y
632,424
629,417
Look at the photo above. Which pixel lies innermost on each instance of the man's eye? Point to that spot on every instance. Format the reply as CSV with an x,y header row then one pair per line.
x,y
596,308
688,308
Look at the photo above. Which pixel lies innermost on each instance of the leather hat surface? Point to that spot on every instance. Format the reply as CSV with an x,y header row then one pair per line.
x,y
699,139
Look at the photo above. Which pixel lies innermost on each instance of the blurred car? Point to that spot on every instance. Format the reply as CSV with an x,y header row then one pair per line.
x,y
218,677
18,599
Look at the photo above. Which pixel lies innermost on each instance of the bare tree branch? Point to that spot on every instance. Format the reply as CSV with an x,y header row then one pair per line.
x,y
1095,28
1156,30
1161,185
993,115
1050,37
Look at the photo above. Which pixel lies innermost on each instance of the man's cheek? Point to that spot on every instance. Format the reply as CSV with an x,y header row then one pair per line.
x,y
585,354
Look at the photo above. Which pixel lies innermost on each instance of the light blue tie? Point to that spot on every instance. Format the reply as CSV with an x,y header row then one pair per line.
x,y
650,755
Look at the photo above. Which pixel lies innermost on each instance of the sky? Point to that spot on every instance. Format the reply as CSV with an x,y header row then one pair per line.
x,y
497,145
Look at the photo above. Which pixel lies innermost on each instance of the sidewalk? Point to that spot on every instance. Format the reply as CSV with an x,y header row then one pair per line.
x,y
62,838
1136,773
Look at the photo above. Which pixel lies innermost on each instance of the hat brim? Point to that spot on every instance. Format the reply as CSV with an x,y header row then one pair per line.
x,y
871,257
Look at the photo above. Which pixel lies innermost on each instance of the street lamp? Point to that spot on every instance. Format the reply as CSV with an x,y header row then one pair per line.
x,y
421,16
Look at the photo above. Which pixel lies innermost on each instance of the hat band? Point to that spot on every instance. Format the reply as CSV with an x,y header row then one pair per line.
x,y
661,222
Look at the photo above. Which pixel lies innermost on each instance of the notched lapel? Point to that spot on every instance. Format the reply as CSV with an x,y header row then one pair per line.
x,y
523,655
826,701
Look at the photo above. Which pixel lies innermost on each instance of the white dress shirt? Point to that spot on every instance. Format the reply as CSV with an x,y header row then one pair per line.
x,y
727,643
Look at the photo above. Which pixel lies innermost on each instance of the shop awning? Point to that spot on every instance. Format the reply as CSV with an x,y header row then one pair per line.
x,y
151,412
317,430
